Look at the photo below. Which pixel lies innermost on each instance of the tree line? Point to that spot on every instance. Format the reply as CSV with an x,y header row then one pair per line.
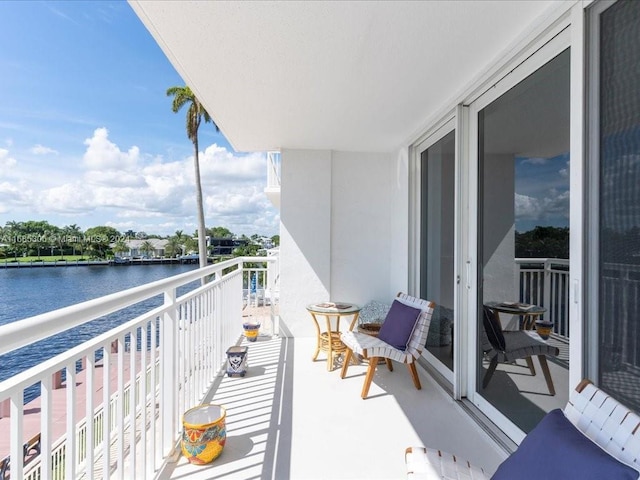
x,y
42,239
543,242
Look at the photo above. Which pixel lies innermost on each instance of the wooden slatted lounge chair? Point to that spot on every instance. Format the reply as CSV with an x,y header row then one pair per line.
x,y
374,348
4,468
602,419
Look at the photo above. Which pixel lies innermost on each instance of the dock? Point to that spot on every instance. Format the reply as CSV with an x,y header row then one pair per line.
x,y
85,263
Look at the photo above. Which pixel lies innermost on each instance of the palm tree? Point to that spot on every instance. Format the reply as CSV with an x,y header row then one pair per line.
x,y
73,236
180,237
147,248
120,247
195,114
173,247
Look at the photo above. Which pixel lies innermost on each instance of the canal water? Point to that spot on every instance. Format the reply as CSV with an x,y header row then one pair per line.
x,y
26,292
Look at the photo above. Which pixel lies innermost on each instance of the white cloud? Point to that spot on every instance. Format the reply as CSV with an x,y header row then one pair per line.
x,y
68,198
554,204
113,178
41,150
6,161
133,191
536,160
14,194
564,172
526,207
102,154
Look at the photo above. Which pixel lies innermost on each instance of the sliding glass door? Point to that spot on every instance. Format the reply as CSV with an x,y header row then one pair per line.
x,y
437,180
614,242
521,239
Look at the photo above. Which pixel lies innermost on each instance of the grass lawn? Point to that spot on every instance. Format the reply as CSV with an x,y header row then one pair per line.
x,y
55,258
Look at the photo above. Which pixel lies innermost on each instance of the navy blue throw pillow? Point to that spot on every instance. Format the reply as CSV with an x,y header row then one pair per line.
x,y
493,329
398,325
556,450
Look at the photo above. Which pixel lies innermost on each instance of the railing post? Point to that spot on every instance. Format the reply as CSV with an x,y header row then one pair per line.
x,y
46,426
546,286
169,374
17,435
5,408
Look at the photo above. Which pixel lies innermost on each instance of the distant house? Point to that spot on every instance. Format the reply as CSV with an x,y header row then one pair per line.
x,y
135,248
221,246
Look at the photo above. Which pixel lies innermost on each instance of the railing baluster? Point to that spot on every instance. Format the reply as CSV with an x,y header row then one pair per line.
x,y
133,351
71,444
46,403
17,427
106,414
155,451
168,371
144,450
189,352
120,410
90,392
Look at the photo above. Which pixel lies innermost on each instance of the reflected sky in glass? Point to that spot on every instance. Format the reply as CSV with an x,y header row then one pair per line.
x,y
542,192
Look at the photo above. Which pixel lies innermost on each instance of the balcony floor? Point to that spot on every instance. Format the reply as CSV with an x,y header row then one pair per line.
x,y
291,418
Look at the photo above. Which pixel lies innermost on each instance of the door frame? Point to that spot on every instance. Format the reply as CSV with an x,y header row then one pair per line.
x,y
449,124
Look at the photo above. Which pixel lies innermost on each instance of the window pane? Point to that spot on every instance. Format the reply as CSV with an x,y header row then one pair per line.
x,y
619,267
523,245
437,233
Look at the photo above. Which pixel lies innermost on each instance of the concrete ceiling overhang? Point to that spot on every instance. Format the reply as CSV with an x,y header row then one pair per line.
x,y
354,76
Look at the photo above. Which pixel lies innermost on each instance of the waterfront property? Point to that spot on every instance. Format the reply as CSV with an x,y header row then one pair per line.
x,y
149,248
416,139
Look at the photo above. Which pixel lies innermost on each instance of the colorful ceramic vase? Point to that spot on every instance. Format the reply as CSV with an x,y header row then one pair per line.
x,y
237,361
204,433
251,331
544,327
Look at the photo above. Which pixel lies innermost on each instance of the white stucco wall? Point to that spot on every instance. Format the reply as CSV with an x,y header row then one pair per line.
x,y
399,224
339,237
305,236
500,282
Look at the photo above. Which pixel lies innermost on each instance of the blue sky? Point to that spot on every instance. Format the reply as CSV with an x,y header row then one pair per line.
x,y
87,135
542,192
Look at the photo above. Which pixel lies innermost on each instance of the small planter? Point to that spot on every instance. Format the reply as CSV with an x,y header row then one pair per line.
x,y
204,433
237,361
251,331
544,328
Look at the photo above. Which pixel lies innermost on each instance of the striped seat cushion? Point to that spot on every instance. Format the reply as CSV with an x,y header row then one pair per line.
x,y
369,347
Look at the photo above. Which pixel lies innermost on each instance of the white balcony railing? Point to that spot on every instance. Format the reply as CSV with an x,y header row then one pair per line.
x,y
545,282
272,190
148,371
273,170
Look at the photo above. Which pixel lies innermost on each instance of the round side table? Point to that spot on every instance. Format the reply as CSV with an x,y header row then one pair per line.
x,y
329,340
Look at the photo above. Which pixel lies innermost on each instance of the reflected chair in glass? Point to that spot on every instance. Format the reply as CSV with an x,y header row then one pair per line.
x,y
509,346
